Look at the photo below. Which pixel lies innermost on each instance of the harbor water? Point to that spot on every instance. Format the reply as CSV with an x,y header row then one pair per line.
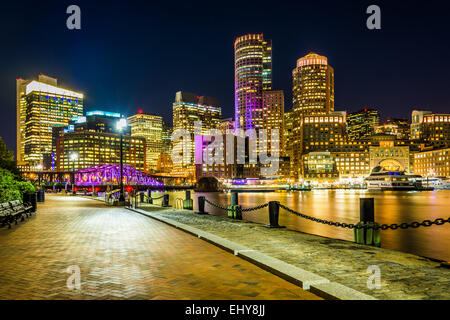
x,y
343,206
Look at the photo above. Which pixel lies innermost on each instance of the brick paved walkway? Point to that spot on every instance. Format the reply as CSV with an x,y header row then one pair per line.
x,y
122,255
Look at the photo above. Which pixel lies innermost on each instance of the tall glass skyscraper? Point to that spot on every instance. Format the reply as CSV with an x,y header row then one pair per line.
x,y
313,85
42,106
189,108
253,75
313,95
149,127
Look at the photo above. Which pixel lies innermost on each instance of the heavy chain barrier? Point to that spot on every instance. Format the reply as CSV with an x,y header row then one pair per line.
x,y
375,226
215,205
394,226
255,208
242,210
157,198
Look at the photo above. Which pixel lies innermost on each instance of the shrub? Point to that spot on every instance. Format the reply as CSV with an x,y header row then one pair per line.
x,y
10,188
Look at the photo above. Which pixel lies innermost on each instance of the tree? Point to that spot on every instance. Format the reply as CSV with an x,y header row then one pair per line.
x,y
11,185
5,153
7,160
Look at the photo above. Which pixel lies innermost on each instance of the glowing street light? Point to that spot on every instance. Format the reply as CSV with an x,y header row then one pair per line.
x,y
121,125
73,157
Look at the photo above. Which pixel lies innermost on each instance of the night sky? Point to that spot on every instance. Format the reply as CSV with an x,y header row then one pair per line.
x,y
132,55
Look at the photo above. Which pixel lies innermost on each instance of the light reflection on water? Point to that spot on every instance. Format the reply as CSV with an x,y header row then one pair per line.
x,y
343,206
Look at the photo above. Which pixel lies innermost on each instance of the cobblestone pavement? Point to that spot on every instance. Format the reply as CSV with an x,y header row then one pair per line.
x,y
122,255
403,275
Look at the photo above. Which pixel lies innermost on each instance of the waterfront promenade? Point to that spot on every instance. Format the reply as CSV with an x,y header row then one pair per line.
x,y
122,255
403,275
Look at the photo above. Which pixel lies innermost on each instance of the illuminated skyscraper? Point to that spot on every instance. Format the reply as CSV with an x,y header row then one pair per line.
x,y
189,108
149,127
252,74
95,140
436,130
273,115
42,106
313,95
167,138
21,104
313,85
417,124
227,126
400,128
362,124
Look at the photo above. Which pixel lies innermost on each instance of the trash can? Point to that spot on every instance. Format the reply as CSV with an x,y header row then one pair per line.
x,y
40,195
31,198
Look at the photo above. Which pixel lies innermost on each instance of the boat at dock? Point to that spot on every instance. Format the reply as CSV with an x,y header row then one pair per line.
x,y
381,179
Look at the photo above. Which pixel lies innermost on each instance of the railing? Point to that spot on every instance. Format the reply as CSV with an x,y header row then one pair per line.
x,y
137,199
112,196
367,231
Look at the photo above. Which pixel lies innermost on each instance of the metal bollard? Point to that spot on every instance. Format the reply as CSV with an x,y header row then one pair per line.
x,y
135,201
188,203
149,196
141,197
201,205
165,201
234,199
366,210
367,236
274,212
237,212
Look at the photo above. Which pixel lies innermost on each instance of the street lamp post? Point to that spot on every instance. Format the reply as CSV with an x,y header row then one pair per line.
x,y
121,124
73,157
39,167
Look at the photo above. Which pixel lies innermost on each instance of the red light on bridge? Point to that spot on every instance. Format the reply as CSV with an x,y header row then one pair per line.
x,y
129,189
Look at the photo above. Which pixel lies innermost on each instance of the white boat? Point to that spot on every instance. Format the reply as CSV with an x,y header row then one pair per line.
x,y
443,184
381,179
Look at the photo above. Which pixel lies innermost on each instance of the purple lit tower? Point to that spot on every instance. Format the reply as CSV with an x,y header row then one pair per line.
x,y
253,75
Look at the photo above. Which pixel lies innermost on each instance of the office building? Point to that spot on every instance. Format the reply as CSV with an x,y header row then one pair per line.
x,y
313,94
188,109
253,75
273,116
149,127
432,163
436,130
400,128
362,124
313,85
417,124
95,141
41,106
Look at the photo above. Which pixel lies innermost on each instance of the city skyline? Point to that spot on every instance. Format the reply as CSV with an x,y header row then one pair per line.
x,y
155,85
214,152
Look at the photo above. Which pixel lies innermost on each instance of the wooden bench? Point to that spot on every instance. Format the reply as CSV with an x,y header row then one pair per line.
x,y
21,209
6,215
13,211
